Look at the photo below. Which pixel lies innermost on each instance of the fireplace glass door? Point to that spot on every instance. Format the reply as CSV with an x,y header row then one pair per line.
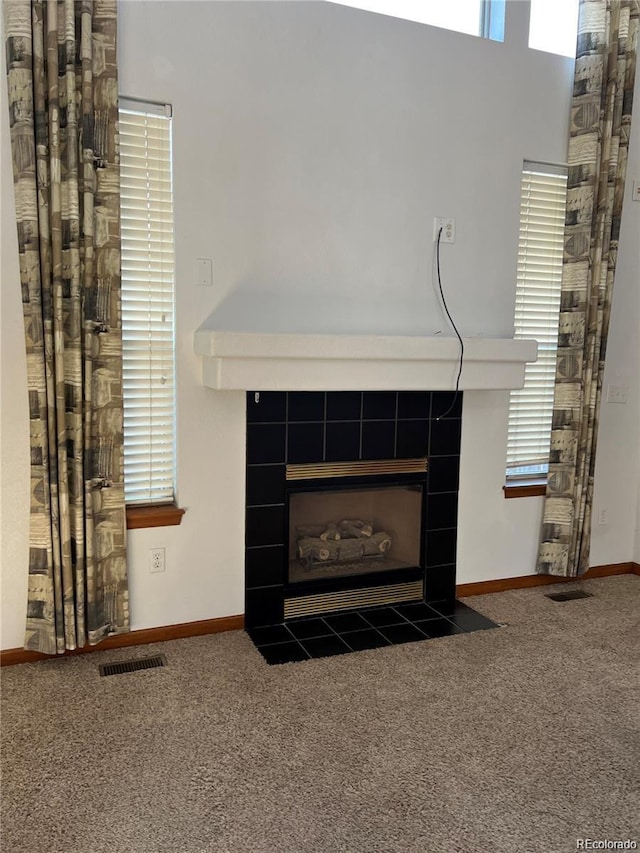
x,y
354,531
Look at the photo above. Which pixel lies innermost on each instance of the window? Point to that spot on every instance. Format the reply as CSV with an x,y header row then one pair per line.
x,y
475,17
147,302
540,249
553,26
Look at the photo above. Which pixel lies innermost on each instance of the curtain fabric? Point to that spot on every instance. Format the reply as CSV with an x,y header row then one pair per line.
x,y
63,109
600,123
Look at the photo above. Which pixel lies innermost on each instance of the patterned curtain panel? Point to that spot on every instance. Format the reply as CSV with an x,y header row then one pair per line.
x,y
600,123
63,105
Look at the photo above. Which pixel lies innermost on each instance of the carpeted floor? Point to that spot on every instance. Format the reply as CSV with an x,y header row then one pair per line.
x,y
523,738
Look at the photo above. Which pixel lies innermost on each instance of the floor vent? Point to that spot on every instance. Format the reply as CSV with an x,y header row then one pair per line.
x,y
568,596
132,665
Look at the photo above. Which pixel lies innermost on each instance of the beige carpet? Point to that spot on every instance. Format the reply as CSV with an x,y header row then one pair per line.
x,y
523,738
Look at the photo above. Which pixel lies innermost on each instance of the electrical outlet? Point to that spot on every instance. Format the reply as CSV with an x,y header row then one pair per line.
x,y
448,230
156,560
603,517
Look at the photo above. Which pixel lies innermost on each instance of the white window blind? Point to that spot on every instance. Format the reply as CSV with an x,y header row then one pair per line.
x,y
542,212
147,302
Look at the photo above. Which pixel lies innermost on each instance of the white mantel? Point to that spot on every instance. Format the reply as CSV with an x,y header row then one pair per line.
x,y
253,361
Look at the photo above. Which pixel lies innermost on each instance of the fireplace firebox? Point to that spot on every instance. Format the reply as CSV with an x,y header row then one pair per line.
x,y
351,501
342,531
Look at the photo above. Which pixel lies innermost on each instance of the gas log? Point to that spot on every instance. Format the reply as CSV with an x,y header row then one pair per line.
x,y
316,550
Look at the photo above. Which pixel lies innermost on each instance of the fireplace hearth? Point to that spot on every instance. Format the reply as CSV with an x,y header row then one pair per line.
x,y
351,502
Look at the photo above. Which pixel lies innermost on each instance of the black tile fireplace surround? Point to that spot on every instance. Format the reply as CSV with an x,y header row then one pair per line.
x,y
285,428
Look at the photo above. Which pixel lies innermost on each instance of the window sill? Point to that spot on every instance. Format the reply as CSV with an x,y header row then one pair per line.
x,y
525,489
153,515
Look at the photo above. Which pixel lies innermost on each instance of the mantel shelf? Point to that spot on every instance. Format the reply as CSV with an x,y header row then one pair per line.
x,y
252,361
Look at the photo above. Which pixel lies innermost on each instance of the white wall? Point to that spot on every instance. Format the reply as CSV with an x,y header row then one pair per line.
x,y
636,550
617,475
313,145
14,417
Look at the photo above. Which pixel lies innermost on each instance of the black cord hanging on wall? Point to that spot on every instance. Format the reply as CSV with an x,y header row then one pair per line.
x,y
455,329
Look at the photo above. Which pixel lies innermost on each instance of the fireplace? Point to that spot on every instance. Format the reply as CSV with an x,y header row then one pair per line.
x,y
351,501
322,420
342,531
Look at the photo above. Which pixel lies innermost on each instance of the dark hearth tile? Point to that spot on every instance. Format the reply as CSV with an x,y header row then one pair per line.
x,y
306,628
361,640
440,583
450,606
442,510
416,610
283,653
264,566
344,405
438,628
379,405
413,439
343,442
265,484
271,406
401,633
323,647
474,622
441,547
414,404
265,443
263,607
306,406
378,439
445,437
305,443
270,634
443,473
265,525
464,617
441,402
383,616
343,622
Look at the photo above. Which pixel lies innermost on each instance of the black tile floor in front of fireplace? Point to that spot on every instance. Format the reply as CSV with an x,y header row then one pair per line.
x,y
370,628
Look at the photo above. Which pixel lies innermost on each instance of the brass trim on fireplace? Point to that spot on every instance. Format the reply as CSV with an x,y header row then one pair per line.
x,y
349,598
323,470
